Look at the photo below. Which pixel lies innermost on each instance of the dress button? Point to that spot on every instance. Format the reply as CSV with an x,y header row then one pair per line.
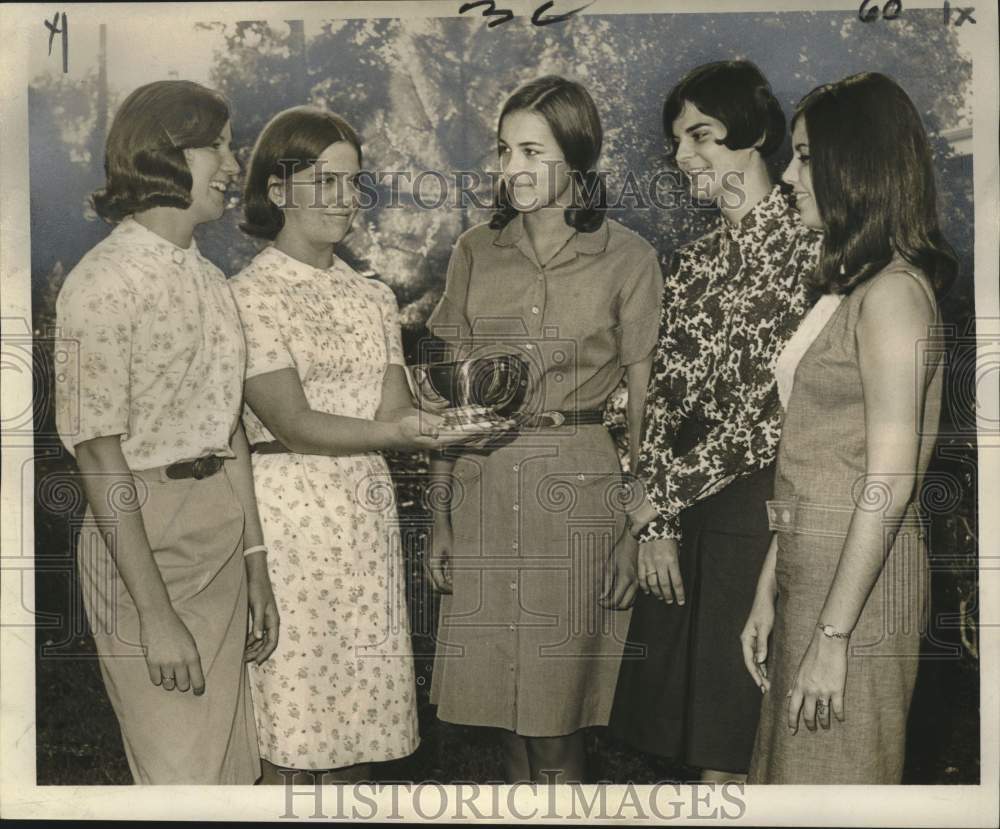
x,y
516,507
786,516
177,256
515,467
534,309
529,345
510,627
513,585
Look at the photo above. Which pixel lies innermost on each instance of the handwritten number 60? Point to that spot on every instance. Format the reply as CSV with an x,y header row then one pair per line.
x,y
890,11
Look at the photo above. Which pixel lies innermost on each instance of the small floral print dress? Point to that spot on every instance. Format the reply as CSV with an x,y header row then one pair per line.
x,y
339,688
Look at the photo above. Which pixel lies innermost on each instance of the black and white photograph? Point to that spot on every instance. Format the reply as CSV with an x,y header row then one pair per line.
x,y
516,411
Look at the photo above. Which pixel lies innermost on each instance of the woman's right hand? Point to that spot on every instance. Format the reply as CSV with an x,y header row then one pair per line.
x,y
755,634
420,430
438,562
172,656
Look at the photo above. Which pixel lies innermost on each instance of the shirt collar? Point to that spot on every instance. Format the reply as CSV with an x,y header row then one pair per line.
x,y
297,271
761,220
513,234
137,233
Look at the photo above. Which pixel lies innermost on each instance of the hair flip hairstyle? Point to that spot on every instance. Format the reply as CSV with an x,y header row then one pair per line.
x,y
735,93
874,183
575,123
292,139
144,160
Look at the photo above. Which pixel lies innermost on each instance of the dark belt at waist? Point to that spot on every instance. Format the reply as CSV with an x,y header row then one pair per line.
x,y
590,417
199,468
555,419
270,447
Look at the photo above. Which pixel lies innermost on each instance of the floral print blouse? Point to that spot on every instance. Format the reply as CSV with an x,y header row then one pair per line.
x,y
161,353
731,301
318,322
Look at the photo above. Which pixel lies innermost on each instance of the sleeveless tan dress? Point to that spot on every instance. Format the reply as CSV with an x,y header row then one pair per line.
x,y
818,486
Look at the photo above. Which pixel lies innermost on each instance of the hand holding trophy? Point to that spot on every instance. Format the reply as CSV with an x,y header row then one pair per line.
x,y
480,395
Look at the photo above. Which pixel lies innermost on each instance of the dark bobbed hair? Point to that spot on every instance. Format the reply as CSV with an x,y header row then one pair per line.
x,y
293,139
873,179
736,93
144,161
572,116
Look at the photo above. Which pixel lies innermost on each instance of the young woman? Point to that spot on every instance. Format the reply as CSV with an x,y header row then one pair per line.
x,y
842,593
528,640
325,393
171,546
731,300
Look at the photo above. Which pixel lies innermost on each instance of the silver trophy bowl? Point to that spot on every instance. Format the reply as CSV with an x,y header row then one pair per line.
x,y
476,389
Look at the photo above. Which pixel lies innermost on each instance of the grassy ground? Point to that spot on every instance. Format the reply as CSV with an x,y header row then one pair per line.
x,y
78,742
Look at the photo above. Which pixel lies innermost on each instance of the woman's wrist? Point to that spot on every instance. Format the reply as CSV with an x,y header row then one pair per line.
x,y
832,633
154,609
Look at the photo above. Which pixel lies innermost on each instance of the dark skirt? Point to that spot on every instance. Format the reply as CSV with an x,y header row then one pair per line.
x,y
683,691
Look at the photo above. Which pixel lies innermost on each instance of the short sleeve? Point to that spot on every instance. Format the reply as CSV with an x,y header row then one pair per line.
x,y
390,327
260,314
639,311
448,320
95,313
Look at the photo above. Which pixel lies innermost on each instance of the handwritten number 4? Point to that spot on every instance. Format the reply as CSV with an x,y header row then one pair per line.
x,y
55,29
539,18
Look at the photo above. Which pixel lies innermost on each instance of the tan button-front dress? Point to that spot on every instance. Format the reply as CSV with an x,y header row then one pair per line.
x,y
523,643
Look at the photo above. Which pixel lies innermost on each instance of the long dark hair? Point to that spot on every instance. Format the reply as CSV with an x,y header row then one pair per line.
x,y
572,116
144,160
736,93
292,139
874,183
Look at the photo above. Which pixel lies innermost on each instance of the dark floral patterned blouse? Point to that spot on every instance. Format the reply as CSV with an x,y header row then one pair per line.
x,y
731,301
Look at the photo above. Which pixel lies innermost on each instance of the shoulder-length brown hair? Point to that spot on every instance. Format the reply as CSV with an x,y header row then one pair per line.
x,y
572,116
292,139
873,178
144,160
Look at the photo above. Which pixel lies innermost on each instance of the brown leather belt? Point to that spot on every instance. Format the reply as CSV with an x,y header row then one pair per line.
x,y
204,467
544,420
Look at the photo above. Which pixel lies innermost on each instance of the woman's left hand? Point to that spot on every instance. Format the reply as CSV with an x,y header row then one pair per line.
x,y
819,683
263,638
